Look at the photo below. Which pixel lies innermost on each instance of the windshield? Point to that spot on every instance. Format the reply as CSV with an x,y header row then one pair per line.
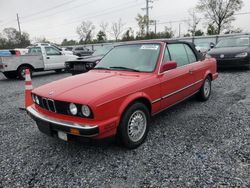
x,y
135,57
102,51
233,42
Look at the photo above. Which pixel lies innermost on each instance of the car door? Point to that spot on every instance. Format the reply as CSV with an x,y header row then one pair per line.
x,y
197,68
176,84
54,58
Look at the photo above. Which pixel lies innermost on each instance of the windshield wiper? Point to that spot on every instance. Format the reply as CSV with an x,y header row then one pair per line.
x,y
125,68
102,68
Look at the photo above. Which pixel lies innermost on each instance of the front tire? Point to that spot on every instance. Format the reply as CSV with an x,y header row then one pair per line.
x,y
134,126
21,72
205,91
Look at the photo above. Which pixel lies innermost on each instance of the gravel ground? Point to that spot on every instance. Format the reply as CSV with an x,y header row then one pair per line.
x,y
193,144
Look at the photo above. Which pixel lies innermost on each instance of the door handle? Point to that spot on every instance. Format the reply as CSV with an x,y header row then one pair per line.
x,y
191,71
47,57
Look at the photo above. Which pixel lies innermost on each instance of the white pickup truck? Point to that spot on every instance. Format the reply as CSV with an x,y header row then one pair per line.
x,y
39,58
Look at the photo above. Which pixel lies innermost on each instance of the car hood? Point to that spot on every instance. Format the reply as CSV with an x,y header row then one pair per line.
x,y
228,50
96,86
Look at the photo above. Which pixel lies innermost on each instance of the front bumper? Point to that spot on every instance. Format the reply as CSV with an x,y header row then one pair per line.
x,y
50,125
234,62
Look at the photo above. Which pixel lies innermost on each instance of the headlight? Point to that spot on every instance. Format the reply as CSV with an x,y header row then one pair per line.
x,y
37,100
86,111
241,55
72,108
90,65
207,56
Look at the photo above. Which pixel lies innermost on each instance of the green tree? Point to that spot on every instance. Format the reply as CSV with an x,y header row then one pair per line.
x,y
11,38
211,30
199,33
168,33
219,13
187,35
66,42
128,35
142,23
101,36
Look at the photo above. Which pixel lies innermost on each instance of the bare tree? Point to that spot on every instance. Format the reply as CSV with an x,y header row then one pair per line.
x,y
40,40
117,29
193,21
104,26
220,12
85,31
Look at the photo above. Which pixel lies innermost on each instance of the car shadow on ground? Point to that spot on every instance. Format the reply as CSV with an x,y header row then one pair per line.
x,y
232,70
35,75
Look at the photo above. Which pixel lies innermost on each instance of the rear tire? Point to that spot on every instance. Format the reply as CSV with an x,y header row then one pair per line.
x,y
205,91
21,72
134,126
10,75
58,70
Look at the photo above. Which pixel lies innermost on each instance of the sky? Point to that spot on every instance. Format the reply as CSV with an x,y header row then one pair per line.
x,y
58,19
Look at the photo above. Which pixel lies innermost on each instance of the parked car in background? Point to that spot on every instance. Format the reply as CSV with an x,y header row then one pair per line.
x,y
204,47
84,64
39,58
62,50
81,51
232,52
118,97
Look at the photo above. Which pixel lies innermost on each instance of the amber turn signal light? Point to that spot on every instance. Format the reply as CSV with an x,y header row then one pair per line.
x,y
75,131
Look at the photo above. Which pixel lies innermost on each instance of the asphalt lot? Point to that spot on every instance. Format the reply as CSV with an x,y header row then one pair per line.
x,y
193,144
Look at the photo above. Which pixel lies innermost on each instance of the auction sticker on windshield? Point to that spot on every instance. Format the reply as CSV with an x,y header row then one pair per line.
x,y
149,47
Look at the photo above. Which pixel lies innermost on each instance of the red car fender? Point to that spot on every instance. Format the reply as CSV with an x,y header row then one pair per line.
x,y
130,99
208,72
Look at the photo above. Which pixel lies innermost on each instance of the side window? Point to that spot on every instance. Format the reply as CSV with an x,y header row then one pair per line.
x,y
178,54
35,50
191,56
166,55
52,51
79,48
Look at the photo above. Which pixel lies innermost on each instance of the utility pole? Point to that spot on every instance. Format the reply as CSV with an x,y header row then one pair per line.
x,y
147,12
179,30
18,22
155,25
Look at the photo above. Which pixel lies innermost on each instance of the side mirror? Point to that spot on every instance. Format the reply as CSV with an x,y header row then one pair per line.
x,y
169,65
212,45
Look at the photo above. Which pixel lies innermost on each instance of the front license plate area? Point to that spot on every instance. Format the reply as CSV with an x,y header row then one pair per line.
x,y
78,67
62,135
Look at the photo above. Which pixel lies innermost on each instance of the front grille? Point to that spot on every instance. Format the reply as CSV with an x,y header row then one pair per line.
x,y
47,104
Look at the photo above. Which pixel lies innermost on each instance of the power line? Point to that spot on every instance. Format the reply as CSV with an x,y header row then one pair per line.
x,y
39,12
49,9
106,12
62,11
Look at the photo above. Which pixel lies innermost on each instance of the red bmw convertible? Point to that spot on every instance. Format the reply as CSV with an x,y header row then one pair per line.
x,y
132,83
